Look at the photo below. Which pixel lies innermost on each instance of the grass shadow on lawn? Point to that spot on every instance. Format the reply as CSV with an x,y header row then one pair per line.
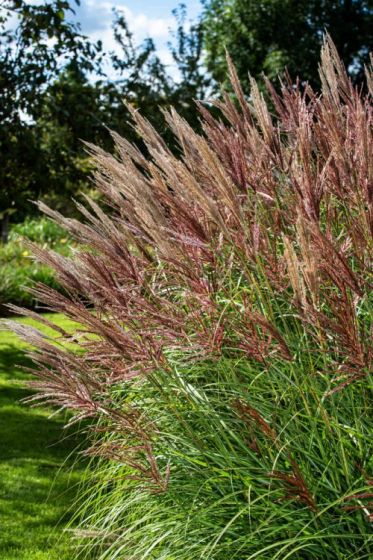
x,y
38,480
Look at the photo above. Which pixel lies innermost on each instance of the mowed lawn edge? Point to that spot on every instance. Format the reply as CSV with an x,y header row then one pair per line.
x,y
38,485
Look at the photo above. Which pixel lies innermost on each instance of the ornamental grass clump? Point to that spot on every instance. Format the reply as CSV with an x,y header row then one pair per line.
x,y
224,356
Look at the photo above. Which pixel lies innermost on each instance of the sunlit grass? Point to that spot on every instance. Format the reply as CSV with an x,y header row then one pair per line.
x,y
18,270
37,483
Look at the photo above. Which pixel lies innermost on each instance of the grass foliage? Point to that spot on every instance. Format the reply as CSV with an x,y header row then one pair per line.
x,y
38,481
224,356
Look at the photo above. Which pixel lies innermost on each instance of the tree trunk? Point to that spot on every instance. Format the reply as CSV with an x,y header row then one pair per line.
x,y
5,228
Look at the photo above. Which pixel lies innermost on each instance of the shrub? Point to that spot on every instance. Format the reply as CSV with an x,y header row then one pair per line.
x,y
39,230
18,270
225,351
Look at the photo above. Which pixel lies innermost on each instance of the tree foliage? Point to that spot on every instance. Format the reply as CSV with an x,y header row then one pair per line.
x,y
267,35
33,52
55,92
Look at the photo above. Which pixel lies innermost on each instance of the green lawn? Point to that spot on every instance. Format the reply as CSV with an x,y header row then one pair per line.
x,y
37,483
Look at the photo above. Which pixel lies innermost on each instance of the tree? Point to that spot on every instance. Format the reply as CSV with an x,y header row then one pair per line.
x,y
32,55
140,79
269,35
187,53
54,94
144,81
71,111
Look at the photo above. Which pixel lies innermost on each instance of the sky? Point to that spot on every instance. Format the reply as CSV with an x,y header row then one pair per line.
x,y
146,18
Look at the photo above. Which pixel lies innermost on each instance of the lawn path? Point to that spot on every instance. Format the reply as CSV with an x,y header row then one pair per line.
x,y
37,484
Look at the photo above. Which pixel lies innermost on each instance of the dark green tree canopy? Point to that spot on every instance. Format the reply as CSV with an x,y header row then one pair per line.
x,y
268,35
33,53
54,93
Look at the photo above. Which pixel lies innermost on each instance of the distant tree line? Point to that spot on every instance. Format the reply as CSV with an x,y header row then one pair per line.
x,y
269,35
55,91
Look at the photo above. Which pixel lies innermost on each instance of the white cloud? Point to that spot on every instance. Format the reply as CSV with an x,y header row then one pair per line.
x,y
96,17
141,24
